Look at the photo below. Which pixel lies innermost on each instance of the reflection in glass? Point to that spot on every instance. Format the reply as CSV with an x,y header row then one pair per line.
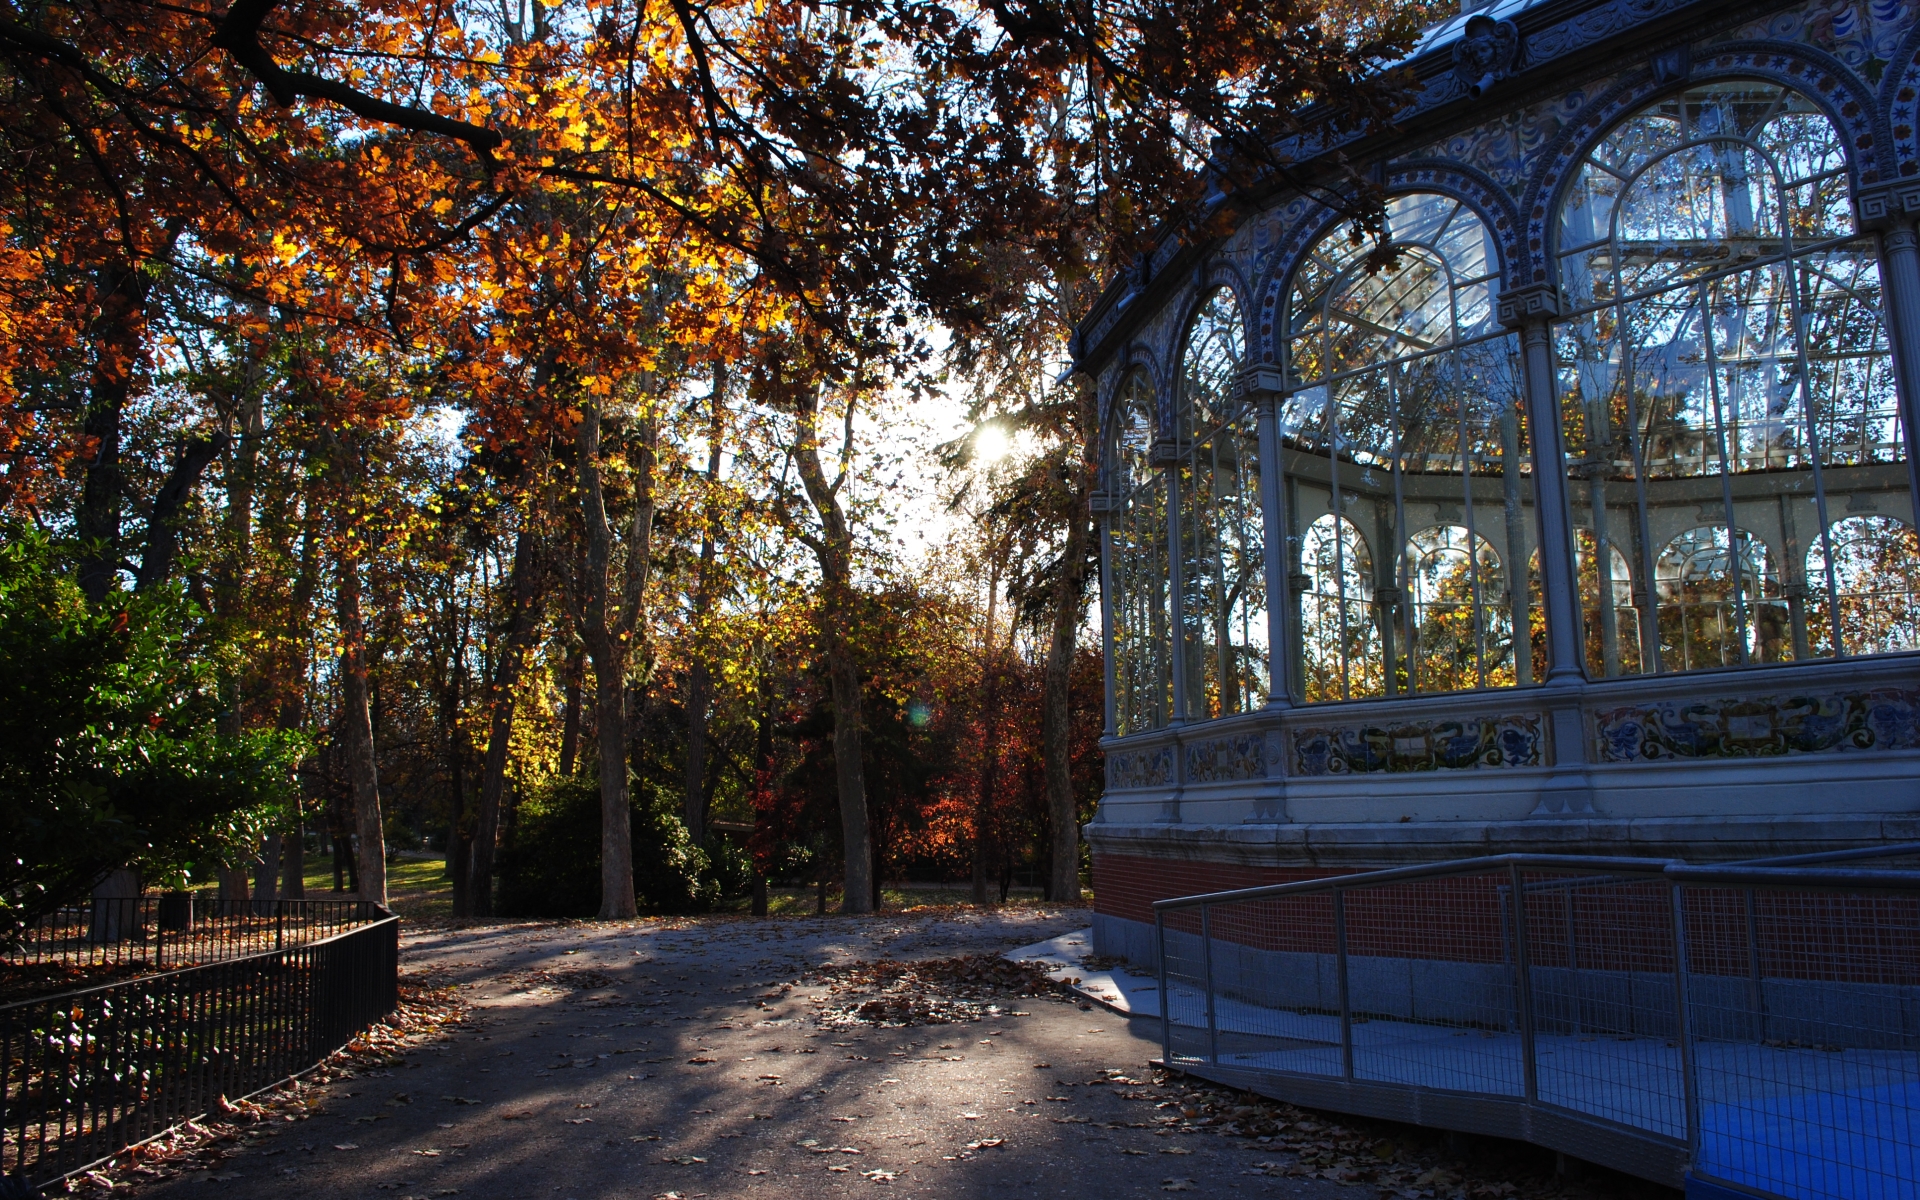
x,y
1724,368
1142,671
1223,540
1712,615
1337,624
1876,573
1409,416
1612,630
1459,619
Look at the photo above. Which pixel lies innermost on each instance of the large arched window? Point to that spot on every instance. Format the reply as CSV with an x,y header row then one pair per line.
x,y
1142,672
1723,367
1408,415
1222,539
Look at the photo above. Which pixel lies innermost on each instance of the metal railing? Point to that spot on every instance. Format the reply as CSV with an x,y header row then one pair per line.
x,y
1752,1025
90,1072
159,933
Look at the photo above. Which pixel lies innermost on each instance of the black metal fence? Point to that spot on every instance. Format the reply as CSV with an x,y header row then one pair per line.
x,y
90,1072
163,933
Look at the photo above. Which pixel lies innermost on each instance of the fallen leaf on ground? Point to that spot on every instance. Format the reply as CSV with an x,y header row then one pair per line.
x,y
579,1120
346,1146
1179,1185
880,1176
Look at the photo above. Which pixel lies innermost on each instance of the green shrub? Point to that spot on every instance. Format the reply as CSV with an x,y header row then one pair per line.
x,y
550,864
111,748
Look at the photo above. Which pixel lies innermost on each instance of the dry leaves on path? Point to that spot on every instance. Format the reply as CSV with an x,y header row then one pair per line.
x,y
570,980
424,1014
938,991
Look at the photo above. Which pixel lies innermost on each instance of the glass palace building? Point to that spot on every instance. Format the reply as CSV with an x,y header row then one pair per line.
x,y
1588,526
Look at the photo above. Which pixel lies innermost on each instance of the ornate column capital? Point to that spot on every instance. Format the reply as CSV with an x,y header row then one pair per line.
x,y
1262,384
1887,207
1534,304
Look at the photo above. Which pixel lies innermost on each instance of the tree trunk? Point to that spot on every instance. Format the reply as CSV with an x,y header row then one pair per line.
x,y
293,706
118,341
293,852
989,732
1056,712
523,589
356,727
163,523
459,847
700,677
570,724
834,549
607,636
266,879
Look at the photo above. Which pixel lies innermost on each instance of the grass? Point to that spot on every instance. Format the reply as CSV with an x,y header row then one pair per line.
x,y
419,890
417,887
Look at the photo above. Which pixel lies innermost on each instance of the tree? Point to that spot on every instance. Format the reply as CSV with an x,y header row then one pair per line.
x,y
111,753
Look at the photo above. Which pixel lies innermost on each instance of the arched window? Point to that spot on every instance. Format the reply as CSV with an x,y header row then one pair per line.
x,y
1459,627
1408,413
1725,331
1720,601
1222,538
1876,581
1339,641
1137,525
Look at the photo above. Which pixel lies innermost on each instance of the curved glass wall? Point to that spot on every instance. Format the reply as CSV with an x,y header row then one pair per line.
x,y
1140,645
1728,400
1407,466
1222,532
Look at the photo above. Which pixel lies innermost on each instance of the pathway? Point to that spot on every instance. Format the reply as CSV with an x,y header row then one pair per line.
x,y
700,1069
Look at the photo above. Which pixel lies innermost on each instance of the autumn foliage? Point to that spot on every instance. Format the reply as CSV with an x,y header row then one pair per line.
x,y
506,379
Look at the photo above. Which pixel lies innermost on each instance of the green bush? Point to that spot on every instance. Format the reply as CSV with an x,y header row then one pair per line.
x,y
550,863
111,752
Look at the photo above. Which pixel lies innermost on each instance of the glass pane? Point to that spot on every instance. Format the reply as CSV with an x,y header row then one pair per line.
x,y
1876,576
1726,389
1411,422
1223,539
1142,674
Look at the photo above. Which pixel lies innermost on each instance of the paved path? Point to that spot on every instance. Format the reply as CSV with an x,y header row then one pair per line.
x,y
699,1072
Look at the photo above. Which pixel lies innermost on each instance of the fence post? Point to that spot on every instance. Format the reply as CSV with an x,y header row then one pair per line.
x,y
1340,962
1206,958
1683,1033
1166,994
1756,986
1523,982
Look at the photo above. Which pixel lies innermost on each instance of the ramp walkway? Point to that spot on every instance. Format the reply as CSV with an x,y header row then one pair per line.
x,y
1739,1030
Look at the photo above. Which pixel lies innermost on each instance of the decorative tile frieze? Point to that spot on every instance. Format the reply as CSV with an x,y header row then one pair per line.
x,y
1759,726
1150,767
1227,759
1446,744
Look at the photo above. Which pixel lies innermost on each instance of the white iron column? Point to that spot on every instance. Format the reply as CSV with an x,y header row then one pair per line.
x,y
1531,310
1264,388
1102,502
1888,211
1900,261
